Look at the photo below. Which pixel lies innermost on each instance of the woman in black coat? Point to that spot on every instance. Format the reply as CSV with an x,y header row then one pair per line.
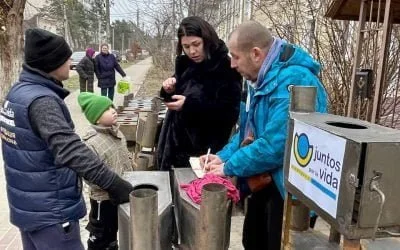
x,y
203,97
106,64
85,69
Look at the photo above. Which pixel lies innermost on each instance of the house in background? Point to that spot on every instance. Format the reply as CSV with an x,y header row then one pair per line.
x,y
34,19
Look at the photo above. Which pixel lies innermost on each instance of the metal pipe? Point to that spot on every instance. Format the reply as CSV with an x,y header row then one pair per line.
x,y
302,99
374,187
142,162
144,219
213,217
357,56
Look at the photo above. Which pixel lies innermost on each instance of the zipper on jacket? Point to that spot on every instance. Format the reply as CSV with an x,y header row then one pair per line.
x,y
98,210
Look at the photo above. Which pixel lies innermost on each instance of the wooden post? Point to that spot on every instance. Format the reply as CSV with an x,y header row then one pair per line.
x,y
300,216
383,58
334,236
287,217
357,58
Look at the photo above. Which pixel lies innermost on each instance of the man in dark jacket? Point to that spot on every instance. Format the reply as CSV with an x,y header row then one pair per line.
x,y
43,157
85,69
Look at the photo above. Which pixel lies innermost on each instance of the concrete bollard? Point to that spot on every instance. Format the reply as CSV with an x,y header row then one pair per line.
x,y
213,217
302,100
149,133
147,129
144,219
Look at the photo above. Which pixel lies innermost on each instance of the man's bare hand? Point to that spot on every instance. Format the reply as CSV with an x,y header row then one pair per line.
x,y
217,169
212,159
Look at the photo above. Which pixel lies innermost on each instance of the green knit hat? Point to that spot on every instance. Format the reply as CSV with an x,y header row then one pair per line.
x,y
93,105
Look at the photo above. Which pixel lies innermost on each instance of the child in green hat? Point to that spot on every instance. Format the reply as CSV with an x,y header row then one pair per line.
x,y
108,142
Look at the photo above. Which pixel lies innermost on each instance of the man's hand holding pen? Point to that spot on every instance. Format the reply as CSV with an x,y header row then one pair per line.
x,y
213,165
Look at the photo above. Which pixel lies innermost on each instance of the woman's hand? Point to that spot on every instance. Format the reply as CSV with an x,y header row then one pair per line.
x,y
169,85
177,104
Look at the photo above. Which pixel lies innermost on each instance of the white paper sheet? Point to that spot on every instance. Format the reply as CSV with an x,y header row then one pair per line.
x,y
195,164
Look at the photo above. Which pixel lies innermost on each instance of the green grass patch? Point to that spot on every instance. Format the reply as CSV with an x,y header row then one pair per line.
x,y
72,83
127,64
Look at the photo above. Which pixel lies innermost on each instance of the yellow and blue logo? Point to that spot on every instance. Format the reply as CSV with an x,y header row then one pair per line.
x,y
302,149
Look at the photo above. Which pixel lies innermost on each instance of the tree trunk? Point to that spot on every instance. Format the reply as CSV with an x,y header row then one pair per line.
x,y
11,43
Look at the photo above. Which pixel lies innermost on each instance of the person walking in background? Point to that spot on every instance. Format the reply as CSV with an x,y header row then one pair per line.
x,y
108,142
85,69
203,96
105,66
256,152
43,156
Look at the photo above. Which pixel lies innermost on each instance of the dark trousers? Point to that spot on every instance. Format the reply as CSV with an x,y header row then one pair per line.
x,y
108,92
53,237
263,221
103,226
86,85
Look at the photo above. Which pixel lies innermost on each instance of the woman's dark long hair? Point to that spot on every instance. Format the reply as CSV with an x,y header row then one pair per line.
x,y
196,26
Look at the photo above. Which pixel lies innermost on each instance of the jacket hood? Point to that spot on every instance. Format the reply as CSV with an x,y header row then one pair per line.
x,y
36,76
302,58
299,57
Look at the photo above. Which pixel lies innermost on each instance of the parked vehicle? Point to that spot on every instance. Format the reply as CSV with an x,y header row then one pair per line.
x,y
77,56
116,54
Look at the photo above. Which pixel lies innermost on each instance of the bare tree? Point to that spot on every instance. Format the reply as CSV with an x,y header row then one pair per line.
x,y
162,19
11,42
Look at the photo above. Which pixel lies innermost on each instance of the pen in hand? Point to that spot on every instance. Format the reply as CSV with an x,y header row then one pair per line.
x,y
206,161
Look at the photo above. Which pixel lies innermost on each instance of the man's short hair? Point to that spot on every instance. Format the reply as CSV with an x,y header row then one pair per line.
x,y
252,34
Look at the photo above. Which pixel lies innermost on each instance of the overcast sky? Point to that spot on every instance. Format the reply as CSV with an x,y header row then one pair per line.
x,y
127,10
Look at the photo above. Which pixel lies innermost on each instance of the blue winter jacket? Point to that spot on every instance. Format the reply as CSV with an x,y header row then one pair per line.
x,y
40,191
269,114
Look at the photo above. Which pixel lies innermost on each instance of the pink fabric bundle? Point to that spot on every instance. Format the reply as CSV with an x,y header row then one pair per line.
x,y
193,189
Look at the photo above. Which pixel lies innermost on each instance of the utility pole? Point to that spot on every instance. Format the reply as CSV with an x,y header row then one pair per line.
x,y
99,33
108,21
242,11
233,15
226,20
113,38
137,18
123,40
173,32
66,28
311,35
250,13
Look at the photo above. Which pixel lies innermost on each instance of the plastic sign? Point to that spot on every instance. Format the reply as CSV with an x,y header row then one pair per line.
x,y
316,163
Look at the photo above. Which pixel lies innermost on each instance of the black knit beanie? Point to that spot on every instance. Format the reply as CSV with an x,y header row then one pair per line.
x,y
44,50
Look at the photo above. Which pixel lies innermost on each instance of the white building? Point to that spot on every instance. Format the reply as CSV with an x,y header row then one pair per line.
x,y
34,19
32,7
